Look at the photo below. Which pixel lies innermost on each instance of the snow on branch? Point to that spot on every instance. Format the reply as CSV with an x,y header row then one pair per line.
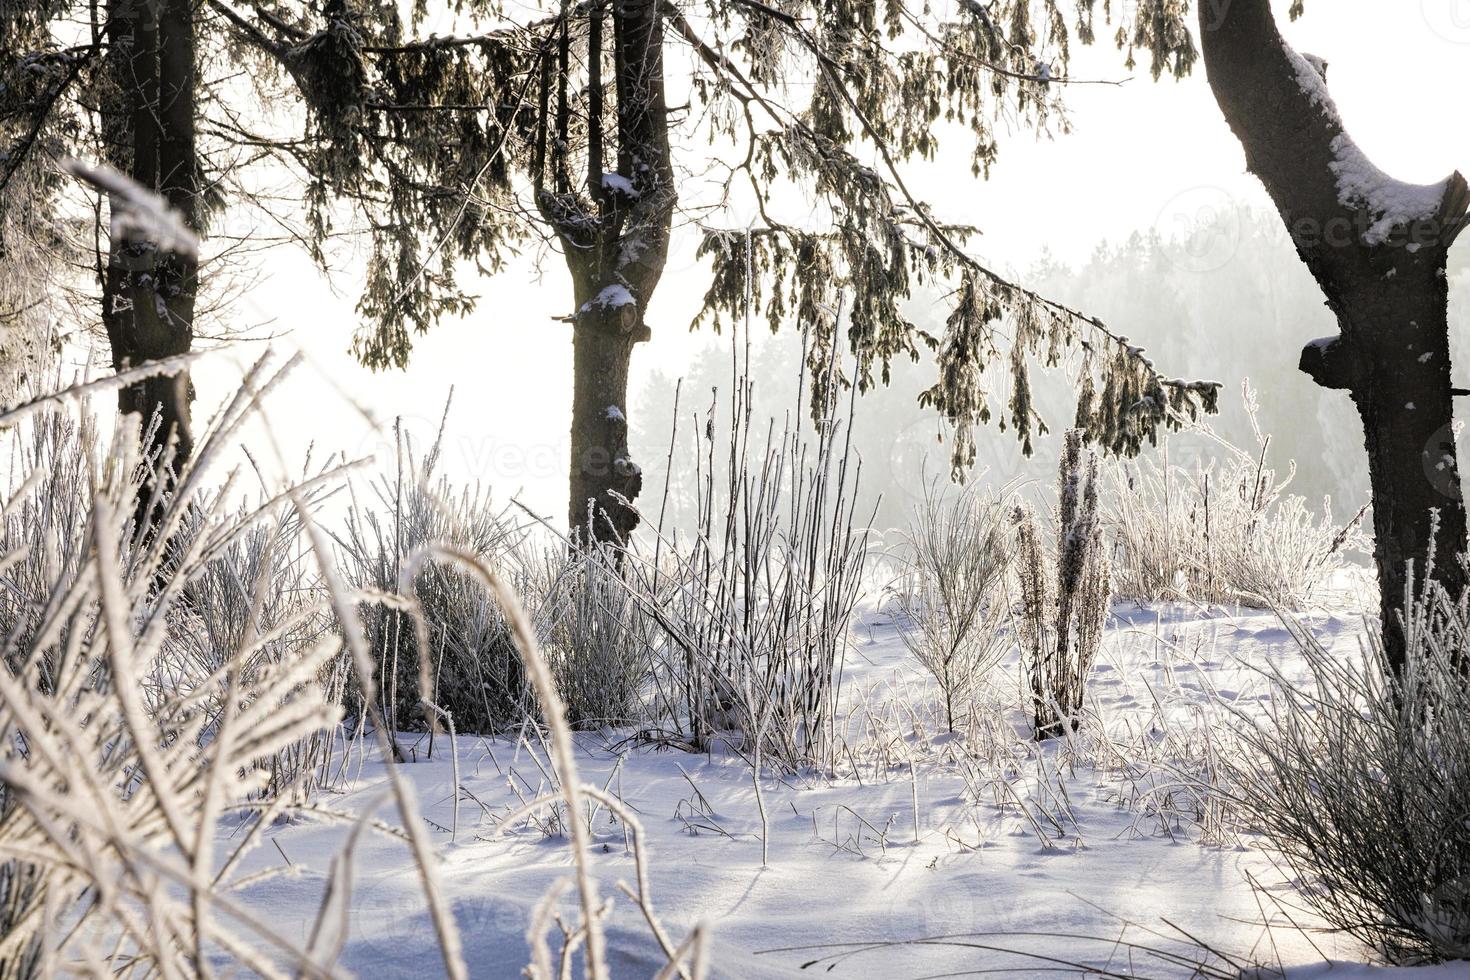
x,y
1388,203
136,209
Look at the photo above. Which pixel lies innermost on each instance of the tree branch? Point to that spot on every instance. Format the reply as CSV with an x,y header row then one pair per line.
x,y
22,149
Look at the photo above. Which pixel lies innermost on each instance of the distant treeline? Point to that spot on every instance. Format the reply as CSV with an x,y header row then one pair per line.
x,y
1229,300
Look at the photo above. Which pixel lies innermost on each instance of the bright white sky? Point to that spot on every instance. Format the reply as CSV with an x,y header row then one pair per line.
x,y
1143,155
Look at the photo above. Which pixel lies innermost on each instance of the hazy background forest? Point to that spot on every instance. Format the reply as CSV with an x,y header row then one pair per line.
x,y
1212,290
1219,294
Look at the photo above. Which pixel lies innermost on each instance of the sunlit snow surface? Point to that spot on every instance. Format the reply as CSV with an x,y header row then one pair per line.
x,y
982,873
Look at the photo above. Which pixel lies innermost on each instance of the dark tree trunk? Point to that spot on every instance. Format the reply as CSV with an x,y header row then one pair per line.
x,y
1387,288
603,474
616,262
148,296
1402,392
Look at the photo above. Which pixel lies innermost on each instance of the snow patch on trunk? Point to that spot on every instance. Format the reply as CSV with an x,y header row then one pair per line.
x,y
1389,203
1311,78
610,298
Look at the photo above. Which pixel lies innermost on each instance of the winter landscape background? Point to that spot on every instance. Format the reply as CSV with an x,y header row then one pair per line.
x,y
330,680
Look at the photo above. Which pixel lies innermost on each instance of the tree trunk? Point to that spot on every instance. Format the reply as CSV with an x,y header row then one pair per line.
x,y
1403,396
604,478
1383,275
148,296
616,261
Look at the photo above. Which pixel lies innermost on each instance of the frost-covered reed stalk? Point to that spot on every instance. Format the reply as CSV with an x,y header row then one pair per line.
x,y
1360,781
951,599
1064,594
756,602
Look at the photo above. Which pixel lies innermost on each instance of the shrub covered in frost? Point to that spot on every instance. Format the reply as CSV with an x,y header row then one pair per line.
x,y
951,599
1222,529
474,671
598,637
1361,782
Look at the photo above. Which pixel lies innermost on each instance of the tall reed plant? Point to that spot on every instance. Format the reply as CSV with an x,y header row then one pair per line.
x,y
1065,592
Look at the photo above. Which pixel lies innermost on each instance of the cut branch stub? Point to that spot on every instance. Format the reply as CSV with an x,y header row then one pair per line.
x,y
1453,216
1328,362
613,309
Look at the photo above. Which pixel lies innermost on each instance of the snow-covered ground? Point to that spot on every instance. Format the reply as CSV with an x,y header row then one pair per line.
x,y
978,845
